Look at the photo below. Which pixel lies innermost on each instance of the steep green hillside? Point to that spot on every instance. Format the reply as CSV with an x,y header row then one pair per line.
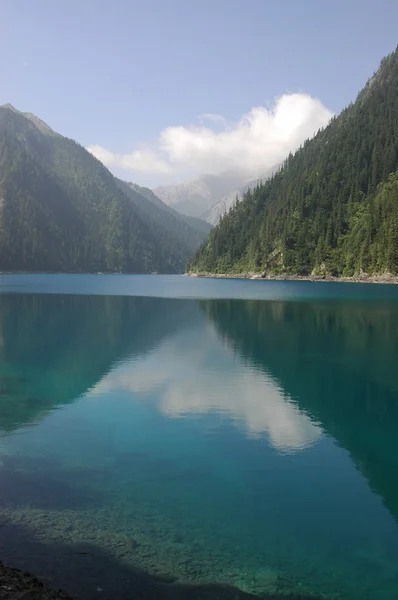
x,y
333,206
190,231
62,210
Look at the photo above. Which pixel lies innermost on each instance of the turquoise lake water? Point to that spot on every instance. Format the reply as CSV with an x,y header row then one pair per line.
x,y
200,430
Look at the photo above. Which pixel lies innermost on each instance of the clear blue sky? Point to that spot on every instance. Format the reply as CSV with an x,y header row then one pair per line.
x,y
117,73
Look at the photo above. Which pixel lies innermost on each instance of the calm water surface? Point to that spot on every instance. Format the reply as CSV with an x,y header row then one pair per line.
x,y
200,430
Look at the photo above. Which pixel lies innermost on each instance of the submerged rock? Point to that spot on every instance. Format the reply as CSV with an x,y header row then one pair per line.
x,y
18,585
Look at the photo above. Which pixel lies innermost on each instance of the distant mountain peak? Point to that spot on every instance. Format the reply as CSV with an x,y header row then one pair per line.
x,y
10,107
196,197
209,196
41,125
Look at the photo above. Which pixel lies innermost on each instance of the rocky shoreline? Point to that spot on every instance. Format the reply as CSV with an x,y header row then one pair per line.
x,y
386,278
19,585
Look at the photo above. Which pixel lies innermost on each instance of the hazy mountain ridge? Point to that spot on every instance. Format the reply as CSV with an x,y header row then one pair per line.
x,y
196,198
198,224
62,210
209,196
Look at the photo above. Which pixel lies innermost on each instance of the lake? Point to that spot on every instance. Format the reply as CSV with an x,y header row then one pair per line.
x,y
160,428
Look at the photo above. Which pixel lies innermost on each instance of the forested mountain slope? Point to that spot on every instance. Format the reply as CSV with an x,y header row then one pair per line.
x,y
62,210
333,206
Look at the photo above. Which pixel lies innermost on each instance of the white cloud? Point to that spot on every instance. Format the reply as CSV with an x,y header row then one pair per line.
x,y
143,161
262,138
214,119
105,156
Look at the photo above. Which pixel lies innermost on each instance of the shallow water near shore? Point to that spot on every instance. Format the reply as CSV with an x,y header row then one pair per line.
x,y
203,430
